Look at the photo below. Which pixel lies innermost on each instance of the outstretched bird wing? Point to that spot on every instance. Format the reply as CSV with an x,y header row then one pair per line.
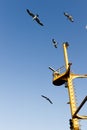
x,y
47,99
43,96
66,14
38,21
30,13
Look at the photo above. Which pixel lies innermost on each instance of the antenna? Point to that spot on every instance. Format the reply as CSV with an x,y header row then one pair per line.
x,y
52,69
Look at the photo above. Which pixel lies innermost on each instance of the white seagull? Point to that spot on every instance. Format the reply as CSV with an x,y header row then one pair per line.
x,y
35,17
69,17
47,99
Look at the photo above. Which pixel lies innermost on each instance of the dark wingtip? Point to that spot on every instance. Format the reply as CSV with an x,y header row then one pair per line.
x,y
41,24
27,10
53,40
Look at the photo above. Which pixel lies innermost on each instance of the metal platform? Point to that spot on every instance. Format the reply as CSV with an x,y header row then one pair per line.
x,y
60,78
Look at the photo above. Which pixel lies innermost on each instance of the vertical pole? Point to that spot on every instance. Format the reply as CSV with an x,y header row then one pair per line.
x,y
71,91
65,46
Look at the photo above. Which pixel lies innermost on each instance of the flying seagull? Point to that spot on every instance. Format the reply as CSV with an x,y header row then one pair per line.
x,y
47,99
54,43
34,16
69,17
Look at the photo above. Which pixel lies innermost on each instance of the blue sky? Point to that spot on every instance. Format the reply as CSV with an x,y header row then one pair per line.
x,y
26,51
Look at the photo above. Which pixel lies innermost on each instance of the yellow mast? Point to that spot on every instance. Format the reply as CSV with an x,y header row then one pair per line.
x,y
67,79
70,88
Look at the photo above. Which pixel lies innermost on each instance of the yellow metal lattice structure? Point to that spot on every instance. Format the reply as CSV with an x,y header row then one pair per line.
x,y
67,77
